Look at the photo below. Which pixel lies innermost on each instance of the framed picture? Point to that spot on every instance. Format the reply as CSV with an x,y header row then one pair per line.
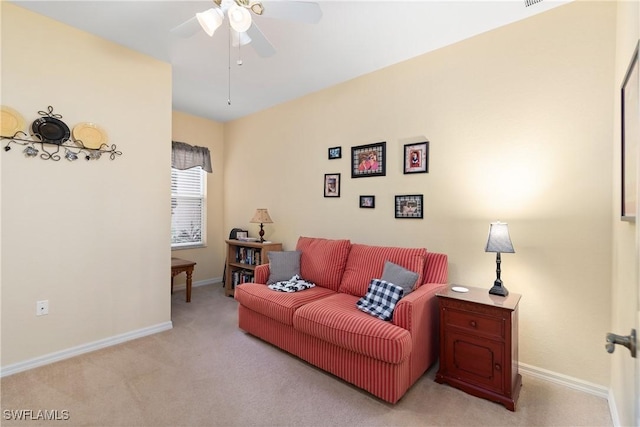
x,y
409,206
331,185
416,157
368,202
242,234
630,138
368,160
335,153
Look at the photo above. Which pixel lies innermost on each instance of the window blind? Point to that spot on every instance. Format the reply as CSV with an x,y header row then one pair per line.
x,y
187,207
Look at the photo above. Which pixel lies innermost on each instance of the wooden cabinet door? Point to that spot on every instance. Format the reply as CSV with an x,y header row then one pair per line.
x,y
475,360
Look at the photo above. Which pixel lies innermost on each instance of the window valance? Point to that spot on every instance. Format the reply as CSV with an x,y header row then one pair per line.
x,y
185,156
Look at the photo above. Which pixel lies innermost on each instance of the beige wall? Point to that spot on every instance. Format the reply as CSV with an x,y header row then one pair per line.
x,y
626,255
210,260
90,237
520,122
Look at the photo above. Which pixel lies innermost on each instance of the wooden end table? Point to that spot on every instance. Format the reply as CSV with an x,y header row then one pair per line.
x,y
178,266
479,344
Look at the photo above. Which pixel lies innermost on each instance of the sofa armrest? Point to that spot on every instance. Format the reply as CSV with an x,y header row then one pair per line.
x,y
261,273
418,313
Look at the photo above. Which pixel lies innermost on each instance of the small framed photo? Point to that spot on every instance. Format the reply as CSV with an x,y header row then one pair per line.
x,y
409,206
331,185
416,157
242,234
368,160
335,153
368,202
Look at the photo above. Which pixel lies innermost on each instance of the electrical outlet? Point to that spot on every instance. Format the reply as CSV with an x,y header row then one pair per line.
x,y
42,307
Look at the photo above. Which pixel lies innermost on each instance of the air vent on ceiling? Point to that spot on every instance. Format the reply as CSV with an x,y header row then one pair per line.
x,y
528,3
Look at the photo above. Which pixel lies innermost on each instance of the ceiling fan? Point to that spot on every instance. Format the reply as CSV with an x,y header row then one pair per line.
x,y
243,28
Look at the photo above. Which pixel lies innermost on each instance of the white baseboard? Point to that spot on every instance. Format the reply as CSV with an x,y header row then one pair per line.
x,y
613,410
576,384
84,348
96,345
212,281
565,380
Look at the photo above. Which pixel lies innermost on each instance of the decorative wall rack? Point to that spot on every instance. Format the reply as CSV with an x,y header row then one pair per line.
x,y
49,135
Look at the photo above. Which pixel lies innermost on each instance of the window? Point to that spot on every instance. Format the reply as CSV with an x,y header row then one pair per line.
x,y
188,210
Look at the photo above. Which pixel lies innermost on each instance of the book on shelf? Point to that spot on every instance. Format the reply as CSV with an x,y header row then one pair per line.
x,y
238,277
249,256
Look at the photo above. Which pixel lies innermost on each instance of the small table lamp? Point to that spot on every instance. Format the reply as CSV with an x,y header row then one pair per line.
x,y
499,242
261,217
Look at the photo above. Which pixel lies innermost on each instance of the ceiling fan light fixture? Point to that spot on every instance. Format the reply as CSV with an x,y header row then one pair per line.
x,y
210,20
239,39
258,9
239,18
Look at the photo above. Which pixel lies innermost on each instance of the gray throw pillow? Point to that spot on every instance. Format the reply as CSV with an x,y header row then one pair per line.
x,y
283,265
399,276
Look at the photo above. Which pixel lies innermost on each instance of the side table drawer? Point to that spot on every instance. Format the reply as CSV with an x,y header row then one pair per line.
x,y
474,323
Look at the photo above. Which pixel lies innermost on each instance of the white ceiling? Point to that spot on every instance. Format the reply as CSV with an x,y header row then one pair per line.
x,y
352,38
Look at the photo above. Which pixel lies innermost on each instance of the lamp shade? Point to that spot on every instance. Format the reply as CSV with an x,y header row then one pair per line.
x,y
261,217
239,39
210,20
499,240
239,18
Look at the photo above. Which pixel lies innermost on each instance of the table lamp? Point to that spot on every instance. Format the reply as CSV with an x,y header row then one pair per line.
x,y
499,242
261,217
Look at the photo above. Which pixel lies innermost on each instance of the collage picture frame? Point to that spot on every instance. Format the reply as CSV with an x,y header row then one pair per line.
x,y
368,202
409,206
331,185
416,157
368,160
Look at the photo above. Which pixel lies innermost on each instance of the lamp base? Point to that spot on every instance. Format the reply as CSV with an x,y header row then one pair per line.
x,y
498,289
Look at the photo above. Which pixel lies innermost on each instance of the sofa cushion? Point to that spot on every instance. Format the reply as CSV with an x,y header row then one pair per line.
x,y
283,265
279,306
380,300
436,269
367,262
323,260
399,276
337,320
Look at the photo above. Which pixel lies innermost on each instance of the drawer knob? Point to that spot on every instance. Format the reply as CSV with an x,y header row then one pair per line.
x,y
473,323
498,367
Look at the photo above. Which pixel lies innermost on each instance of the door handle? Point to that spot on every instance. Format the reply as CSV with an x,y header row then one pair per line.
x,y
628,341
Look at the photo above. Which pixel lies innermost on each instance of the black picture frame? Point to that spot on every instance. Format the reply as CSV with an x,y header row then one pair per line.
x,y
331,185
368,160
416,157
368,202
630,138
335,153
409,206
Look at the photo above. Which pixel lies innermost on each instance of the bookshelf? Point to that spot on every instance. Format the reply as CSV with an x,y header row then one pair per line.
x,y
242,259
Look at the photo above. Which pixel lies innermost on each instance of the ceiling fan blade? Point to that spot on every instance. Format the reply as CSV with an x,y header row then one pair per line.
x,y
187,29
260,42
300,11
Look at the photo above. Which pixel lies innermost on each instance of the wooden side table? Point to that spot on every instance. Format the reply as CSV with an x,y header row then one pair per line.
x,y
479,344
178,266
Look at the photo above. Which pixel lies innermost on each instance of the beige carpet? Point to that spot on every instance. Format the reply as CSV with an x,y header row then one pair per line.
x,y
206,372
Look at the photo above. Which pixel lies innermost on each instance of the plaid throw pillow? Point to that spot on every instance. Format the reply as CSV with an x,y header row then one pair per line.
x,y
381,298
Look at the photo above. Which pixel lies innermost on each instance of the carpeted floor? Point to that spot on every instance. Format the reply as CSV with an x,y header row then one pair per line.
x,y
206,372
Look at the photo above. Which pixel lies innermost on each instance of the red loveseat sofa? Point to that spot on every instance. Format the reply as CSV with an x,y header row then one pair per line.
x,y
323,326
